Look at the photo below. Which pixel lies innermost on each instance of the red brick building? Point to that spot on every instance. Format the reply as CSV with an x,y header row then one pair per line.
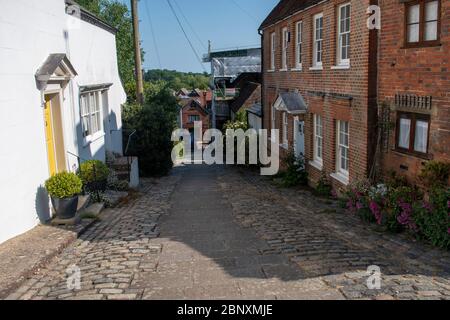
x,y
322,53
414,84
196,107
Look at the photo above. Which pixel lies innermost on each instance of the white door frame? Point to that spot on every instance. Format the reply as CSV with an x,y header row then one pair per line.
x,y
297,122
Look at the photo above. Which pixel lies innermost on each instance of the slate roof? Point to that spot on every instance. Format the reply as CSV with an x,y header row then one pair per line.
x,y
246,77
244,94
293,101
256,109
194,103
285,8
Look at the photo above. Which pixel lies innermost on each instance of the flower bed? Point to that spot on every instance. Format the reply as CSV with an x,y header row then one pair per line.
x,y
400,207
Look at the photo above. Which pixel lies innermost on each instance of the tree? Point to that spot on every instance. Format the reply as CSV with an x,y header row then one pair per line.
x,y
117,15
154,123
177,80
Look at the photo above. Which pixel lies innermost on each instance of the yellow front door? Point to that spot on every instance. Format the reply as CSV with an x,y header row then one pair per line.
x,y
49,138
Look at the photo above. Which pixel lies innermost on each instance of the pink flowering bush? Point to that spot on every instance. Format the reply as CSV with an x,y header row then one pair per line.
x,y
398,207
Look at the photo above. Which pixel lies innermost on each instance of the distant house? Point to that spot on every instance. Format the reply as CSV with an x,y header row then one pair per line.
x,y
249,94
182,94
194,111
61,100
227,69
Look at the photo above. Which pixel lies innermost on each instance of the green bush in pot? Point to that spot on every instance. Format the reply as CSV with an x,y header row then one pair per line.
x,y
64,189
94,175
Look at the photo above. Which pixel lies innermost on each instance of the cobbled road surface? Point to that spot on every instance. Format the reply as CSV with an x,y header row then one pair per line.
x,y
214,232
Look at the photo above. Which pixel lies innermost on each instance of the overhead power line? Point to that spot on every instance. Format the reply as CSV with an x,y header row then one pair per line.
x,y
155,44
244,10
190,26
186,36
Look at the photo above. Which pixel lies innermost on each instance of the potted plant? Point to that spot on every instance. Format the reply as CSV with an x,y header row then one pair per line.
x,y
64,189
94,175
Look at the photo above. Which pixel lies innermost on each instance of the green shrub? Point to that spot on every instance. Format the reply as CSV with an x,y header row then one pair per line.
x,y
295,173
64,185
324,187
432,218
93,171
154,123
435,174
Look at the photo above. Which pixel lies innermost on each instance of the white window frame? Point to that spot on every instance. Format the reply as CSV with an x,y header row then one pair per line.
x,y
341,34
272,51
91,114
318,139
298,45
196,116
273,117
316,63
285,130
284,49
340,146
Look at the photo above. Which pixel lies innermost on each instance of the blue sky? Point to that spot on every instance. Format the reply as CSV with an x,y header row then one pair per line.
x,y
227,23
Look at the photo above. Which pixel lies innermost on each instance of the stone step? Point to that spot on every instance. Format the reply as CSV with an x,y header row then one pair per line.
x,y
94,209
83,209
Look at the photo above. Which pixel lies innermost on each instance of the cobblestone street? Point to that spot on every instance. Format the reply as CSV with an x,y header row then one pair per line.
x,y
212,232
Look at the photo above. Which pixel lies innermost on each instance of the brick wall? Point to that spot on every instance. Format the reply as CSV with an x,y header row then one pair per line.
x,y
189,110
335,94
420,71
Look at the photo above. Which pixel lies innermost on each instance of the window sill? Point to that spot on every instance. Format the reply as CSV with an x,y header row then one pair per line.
x,y
341,67
271,70
297,69
316,164
317,68
283,70
92,138
340,178
284,146
419,155
421,45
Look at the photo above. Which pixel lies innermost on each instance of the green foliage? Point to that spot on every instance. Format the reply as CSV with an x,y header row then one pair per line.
x,y
324,187
235,125
295,173
400,207
177,80
435,174
433,220
93,171
154,123
64,185
242,116
117,15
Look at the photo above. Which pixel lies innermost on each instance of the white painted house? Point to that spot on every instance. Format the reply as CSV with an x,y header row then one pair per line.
x,y
60,99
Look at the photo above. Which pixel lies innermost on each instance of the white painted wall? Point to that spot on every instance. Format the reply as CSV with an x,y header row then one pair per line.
x,y
31,30
254,121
